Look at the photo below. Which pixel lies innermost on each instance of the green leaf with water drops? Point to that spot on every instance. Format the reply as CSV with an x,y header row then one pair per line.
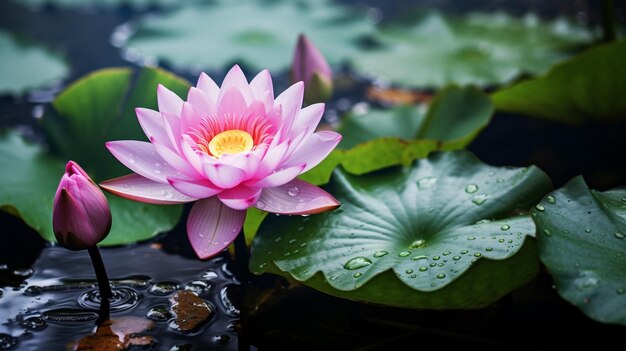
x,y
428,227
478,48
91,111
30,178
25,65
588,87
209,36
582,241
455,117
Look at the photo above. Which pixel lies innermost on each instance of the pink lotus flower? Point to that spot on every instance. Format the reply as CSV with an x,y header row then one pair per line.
x,y
310,66
81,217
226,148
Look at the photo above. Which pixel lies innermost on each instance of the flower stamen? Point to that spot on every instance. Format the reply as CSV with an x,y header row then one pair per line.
x,y
232,141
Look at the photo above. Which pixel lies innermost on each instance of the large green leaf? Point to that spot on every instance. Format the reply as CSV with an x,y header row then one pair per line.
x,y
30,178
590,86
484,49
211,36
99,108
455,117
582,242
426,225
25,66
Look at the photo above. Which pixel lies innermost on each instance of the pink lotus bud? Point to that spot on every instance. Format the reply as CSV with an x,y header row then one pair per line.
x,y
310,66
81,217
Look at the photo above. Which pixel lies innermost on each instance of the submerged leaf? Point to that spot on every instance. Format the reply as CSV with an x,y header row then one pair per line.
x,y
582,241
427,224
25,66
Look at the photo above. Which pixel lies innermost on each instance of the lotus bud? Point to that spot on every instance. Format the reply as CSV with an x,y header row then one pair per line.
x,y
310,66
81,217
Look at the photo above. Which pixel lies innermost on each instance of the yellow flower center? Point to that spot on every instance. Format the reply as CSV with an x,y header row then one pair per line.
x,y
230,142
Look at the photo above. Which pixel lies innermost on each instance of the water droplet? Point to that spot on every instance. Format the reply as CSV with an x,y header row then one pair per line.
x,y
479,199
472,188
199,287
433,264
293,191
34,323
505,227
7,341
300,229
24,272
291,241
620,291
446,253
277,239
471,238
208,275
132,158
423,269
436,258
441,276
404,253
417,258
456,258
427,183
409,271
539,207
159,313
477,254
379,254
547,232
418,243
357,275
551,199
565,231
587,230
357,263
586,280
618,235
623,199
489,249
164,288
260,205
220,339
33,290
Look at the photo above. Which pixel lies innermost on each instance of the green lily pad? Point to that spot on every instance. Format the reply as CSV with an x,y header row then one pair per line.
x,y
93,110
423,226
210,36
30,178
582,241
455,118
25,65
590,86
483,49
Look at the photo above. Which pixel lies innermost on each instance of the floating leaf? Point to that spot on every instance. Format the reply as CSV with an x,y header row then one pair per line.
x,y
211,36
423,226
25,66
93,110
455,118
582,241
590,86
484,49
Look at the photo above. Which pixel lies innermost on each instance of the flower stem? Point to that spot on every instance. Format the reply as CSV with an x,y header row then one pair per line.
x,y
101,273
242,256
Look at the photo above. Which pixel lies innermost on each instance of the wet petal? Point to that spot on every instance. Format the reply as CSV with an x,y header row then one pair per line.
x,y
296,197
240,197
278,178
168,101
137,188
208,86
315,149
141,157
223,175
196,188
212,226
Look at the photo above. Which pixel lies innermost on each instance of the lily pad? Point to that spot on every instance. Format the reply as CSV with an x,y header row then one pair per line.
x,y
93,110
424,226
590,86
210,36
582,241
455,117
25,65
483,49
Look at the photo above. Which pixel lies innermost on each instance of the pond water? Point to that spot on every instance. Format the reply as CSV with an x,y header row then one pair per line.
x,y
49,299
